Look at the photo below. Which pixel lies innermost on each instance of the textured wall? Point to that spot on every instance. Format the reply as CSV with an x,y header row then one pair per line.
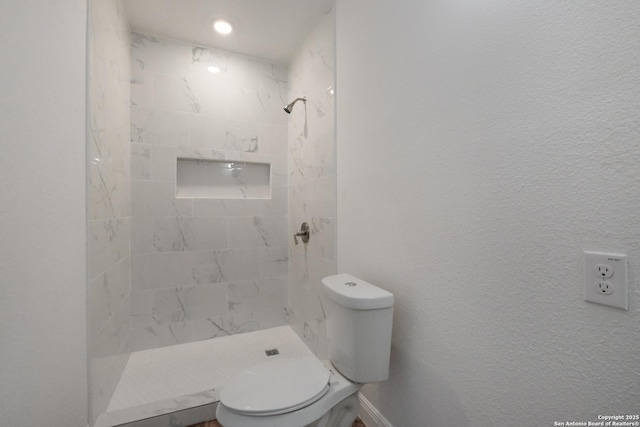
x,y
42,214
312,180
204,267
109,199
482,147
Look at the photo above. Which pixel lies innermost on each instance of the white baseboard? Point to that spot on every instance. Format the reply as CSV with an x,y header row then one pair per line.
x,y
370,415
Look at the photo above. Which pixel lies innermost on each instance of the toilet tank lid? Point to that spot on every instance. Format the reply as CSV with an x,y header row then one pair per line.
x,y
354,293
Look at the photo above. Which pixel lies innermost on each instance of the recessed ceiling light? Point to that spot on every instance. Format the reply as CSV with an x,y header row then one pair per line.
x,y
222,27
213,69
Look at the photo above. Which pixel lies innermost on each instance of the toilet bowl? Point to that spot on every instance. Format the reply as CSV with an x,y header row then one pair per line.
x,y
307,392
299,392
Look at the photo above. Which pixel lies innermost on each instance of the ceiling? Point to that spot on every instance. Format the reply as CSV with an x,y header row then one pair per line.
x,y
267,29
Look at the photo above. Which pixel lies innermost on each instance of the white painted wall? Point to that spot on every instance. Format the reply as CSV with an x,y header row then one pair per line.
x,y
482,146
43,341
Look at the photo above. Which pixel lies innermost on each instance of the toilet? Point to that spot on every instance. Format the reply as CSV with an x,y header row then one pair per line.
x,y
308,392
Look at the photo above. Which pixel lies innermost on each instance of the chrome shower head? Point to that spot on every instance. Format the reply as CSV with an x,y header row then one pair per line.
x,y
289,107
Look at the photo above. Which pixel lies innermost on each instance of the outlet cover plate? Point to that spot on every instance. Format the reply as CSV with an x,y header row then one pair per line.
x,y
618,262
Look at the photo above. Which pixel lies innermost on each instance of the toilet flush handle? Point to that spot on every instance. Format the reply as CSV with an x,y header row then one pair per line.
x,y
303,233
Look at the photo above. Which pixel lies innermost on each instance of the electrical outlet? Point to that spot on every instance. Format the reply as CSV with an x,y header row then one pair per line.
x,y
614,290
604,288
603,270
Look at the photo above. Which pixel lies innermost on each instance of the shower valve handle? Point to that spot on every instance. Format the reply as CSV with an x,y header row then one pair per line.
x,y
303,233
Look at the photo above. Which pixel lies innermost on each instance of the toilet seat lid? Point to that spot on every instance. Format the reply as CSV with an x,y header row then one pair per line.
x,y
276,386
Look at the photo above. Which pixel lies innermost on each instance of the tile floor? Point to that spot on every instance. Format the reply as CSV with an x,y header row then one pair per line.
x,y
214,423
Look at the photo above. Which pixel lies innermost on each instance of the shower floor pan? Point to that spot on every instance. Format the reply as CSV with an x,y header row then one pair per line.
x,y
179,385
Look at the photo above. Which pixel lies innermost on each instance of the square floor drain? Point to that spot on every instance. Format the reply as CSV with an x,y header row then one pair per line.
x,y
272,352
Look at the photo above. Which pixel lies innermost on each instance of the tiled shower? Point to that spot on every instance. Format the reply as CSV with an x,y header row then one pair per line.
x,y
167,269
204,267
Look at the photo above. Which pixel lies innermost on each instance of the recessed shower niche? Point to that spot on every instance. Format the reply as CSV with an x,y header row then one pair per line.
x,y
222,179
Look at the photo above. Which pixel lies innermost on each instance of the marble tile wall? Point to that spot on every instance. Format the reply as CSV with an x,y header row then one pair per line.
x,y
204,267
108,200
312,180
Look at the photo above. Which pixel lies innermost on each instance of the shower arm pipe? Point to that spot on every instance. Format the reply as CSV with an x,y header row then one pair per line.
x,y
289,107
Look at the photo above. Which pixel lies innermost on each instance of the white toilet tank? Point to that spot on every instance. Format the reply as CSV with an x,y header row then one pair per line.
x,y
359,320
